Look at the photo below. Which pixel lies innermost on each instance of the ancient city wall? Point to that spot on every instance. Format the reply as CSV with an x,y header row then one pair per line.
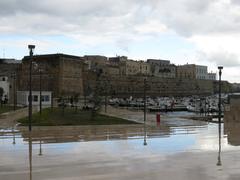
x,y
126,86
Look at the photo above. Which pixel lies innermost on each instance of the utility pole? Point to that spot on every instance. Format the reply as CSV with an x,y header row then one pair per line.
x,y
14,90
31,48
145,111
145,99
106,93
40,88
220,92
219,117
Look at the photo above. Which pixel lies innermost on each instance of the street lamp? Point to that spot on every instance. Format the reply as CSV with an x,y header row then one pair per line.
x,y
145,110
145,98
219,97
13,76
31,48
40,89
219,118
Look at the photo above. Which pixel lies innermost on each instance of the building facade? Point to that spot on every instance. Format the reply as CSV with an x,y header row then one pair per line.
x,y
128,67
61,74
201,72
5,86
95,62
187,71
193,71
8,69
162,68
22,98
212,76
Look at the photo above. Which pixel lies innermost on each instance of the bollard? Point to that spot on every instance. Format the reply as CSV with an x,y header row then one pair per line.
x,y
158,118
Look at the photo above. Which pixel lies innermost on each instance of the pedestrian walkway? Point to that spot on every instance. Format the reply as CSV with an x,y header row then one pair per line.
x,y
9,119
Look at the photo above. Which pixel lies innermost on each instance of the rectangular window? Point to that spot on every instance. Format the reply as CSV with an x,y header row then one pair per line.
x,y
46,98
35,98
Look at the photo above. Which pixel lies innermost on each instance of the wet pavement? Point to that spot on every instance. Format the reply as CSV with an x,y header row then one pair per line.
x,y
177,149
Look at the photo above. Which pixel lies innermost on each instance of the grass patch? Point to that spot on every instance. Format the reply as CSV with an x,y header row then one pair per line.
x,y
55,117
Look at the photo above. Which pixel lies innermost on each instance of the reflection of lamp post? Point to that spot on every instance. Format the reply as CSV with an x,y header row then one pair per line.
x,y
30,154
14,140
40,148
145,135
219,163
31,48
219,118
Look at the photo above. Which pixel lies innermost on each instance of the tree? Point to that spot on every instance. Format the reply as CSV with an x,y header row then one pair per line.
x,y
75,100
61,103
96,98
1,94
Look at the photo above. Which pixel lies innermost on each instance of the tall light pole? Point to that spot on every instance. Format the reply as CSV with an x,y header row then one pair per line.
x,y
145,111
220,92
219,117
31,48
14,90
40,89
145,99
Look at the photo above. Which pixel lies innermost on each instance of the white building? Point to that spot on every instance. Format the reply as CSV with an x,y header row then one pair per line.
x,y
22,98
212,76
201,72
4,84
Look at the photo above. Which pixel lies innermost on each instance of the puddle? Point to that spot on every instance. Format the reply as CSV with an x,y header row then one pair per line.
x,y
188,150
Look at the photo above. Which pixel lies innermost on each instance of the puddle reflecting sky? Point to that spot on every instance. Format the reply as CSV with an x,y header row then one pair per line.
x,y
94,148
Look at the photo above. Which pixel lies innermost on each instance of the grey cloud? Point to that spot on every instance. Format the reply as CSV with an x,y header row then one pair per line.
x,y
111,17
80,15
192,17
237,2
223,58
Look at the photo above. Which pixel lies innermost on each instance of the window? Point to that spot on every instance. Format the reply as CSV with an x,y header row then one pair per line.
x,y
45,98
35,98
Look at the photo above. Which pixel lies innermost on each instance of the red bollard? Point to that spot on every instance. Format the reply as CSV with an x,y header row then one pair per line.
x,y
158,118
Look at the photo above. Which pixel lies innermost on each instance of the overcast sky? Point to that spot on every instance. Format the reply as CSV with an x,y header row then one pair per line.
x,y
205,32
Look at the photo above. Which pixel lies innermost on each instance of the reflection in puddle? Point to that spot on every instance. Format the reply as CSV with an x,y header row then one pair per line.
x,y
30,155
51,150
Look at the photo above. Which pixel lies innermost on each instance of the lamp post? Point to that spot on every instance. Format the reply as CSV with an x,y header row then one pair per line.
x,y
31,48
145,110
106,93
40,90
219,118
145,99
219,97
14,90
